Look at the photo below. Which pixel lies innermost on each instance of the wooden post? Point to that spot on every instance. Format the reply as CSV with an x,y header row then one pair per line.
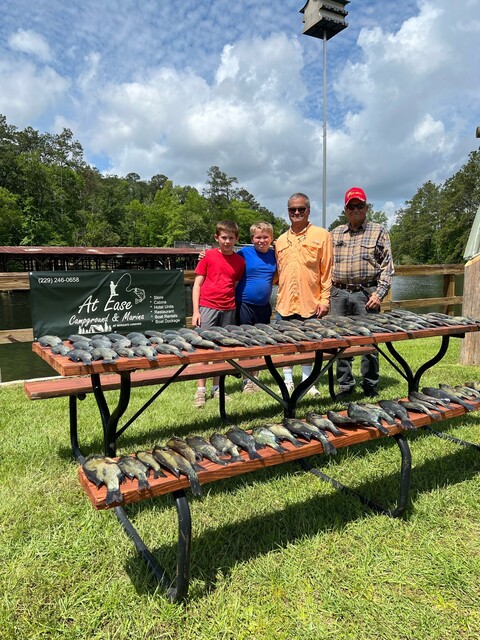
x,y
470,349
449,292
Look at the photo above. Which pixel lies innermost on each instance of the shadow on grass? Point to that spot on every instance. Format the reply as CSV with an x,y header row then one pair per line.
x,y
220,549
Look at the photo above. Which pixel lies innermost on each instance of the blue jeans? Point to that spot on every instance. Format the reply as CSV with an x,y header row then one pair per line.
x,y
352,303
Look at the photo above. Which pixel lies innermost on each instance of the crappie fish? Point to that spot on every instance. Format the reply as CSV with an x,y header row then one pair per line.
x,y
80,355
134,468
49,341
104,353
283,433
397,411
267,438
147,458
245,441
186,468
419,407
365,417
168,349
340,420
85,345
145,351
379,413
204,449
418,395
164,457
225,446
442,393
309,431
322,423
60,349
103,470
185,450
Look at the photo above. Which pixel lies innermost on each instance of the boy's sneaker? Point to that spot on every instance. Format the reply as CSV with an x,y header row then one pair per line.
x,y
216,395
250,387
313,392
200,398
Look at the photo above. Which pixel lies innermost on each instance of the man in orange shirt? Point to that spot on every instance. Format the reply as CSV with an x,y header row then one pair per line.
x,y
304,264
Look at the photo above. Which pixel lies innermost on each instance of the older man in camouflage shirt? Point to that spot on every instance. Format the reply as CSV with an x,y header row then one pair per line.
x,y
361,277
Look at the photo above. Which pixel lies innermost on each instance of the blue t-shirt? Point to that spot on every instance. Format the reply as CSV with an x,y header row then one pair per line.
x,y
255,287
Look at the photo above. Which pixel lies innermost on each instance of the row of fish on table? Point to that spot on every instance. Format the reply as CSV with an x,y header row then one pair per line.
x,y
152,343
183,456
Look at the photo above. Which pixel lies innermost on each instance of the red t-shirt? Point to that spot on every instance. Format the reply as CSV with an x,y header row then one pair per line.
x,y
221,273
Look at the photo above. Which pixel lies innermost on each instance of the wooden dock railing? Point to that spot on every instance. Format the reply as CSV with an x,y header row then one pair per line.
x,y
20,281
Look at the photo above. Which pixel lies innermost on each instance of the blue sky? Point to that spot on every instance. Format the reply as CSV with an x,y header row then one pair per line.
x,y
156,86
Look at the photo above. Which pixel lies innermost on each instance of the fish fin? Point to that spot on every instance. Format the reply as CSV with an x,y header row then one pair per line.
x,y
253,455
198,467
143,484
407,424
236,459
194,484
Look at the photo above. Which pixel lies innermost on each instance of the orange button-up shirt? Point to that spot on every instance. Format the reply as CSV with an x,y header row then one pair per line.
x,y
304,264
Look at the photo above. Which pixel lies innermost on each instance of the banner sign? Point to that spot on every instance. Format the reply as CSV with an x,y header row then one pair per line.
x,y
88,302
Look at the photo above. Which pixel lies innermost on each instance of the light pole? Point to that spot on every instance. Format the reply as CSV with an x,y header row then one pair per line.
x,y
324,20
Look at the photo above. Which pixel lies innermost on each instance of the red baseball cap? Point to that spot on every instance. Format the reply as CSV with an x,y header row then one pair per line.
x,y
355,192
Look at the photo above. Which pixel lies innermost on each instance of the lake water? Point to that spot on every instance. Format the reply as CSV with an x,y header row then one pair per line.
x,y
17,362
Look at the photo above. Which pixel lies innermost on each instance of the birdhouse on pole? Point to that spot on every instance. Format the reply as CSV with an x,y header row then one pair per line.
x,y
324,18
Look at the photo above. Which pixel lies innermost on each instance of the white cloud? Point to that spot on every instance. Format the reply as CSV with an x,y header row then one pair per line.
x,y
28,41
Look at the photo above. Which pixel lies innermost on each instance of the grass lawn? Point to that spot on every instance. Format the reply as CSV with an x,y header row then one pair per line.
x,y
276,554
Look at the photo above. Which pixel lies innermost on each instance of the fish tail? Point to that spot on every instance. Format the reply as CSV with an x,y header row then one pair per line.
x,y
219,461
143,483
236,459
383,429
194,483
114,496
253,455
198,467
407,424
281,449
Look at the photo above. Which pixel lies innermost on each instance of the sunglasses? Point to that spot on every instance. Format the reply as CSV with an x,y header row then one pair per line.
x,y
299,209
359,205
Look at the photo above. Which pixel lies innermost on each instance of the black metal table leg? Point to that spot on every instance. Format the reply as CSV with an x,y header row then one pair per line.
x,y
412,379
404,486
110,421
177,591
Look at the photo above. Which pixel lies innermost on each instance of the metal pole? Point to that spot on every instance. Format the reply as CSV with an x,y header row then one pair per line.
x,y
324,200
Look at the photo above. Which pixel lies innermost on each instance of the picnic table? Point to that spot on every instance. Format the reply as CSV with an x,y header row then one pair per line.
x,y
242,361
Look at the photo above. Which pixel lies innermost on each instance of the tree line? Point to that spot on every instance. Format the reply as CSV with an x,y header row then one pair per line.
x,y
49,195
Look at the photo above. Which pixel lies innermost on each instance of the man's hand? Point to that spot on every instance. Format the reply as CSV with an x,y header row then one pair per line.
x,y
373,302
321,311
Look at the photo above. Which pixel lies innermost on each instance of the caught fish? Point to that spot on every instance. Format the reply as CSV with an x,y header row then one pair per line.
x,y
101,343
225,446
74,337
365,417
379,413
418,395
134,468
397,411
203,449
442,393
430,405
458,391
186,468
144,351
267,438
473,385
103,470
60,349
322,423
309,431
168,349
165,458
185,450
85,345
283,433
339,419
124,352
49,341
245,441
104,353
139,340
147,458
80,355
152,332
122,342
115,337
419,407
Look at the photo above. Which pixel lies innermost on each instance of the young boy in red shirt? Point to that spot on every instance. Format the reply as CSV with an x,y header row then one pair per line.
x,y
213,294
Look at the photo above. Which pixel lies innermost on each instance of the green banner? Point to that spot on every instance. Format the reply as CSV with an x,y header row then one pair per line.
x,y
87,302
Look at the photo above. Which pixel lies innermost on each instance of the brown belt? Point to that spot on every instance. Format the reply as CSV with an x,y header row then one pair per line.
x,y
355,287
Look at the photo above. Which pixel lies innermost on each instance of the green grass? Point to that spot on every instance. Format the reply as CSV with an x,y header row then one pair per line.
x,y
276,554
